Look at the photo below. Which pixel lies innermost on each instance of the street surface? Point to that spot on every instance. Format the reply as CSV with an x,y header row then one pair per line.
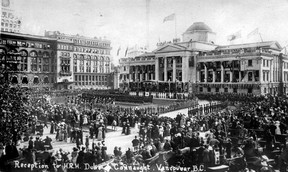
x,y
113,138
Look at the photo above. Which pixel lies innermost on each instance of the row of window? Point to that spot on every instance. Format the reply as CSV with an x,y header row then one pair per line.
x,y
84,42
226,90
91,83
36,80
88,57
90,78
25,44
93,69
8,15
65,47
10,25
10,30
92,50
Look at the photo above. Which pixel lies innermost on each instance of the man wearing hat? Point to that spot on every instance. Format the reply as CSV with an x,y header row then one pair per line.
x,y
31,143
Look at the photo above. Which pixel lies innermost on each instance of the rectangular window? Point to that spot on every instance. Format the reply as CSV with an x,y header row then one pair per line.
x,y
234,90
217,90
200,89
264,75
226,90
250,76
249,62
209,89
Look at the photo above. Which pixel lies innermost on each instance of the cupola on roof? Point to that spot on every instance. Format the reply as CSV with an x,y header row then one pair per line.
x,y
198,26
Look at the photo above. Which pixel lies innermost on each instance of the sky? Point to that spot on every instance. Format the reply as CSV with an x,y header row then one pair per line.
x,y
124,21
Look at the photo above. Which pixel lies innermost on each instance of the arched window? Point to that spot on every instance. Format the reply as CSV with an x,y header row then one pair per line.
x,y
34,61
14,80
24,80
81,63
75,63
46,80
36,80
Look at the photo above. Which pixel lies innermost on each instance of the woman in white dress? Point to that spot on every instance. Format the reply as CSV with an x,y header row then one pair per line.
x,y
85,121
100,133
277,130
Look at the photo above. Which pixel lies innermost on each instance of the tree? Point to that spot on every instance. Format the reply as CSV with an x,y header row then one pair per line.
x,y
14,113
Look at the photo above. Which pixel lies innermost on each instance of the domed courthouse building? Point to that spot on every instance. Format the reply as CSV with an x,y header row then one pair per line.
x,y
197,65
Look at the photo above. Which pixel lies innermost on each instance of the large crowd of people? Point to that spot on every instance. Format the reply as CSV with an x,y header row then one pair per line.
x,y
238,138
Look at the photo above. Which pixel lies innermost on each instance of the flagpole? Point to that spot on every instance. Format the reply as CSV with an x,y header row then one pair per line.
x,y
175,27
260,37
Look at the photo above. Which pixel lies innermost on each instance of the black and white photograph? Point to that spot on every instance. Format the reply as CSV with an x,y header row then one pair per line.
x,y
144,86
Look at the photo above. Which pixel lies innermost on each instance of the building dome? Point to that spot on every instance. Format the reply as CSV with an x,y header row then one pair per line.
x,y
198,26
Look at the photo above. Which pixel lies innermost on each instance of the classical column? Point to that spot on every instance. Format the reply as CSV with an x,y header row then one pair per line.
x,y
261,74
141,77
165,68
174,69
136,73
156,69
240,77
222,73
214,76
130,77
271,71
205,73
198,75
231,76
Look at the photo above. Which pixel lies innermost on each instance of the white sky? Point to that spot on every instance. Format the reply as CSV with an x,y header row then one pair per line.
x,y
124,21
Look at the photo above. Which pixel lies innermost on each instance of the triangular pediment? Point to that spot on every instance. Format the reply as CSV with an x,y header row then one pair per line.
x,y
276,45
169,48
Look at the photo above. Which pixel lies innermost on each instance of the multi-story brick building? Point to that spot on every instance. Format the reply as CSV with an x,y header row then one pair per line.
x,y
90,60
57,60
36,58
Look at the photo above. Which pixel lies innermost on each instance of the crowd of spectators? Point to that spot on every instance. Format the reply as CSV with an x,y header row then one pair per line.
x,y
258,127
241,138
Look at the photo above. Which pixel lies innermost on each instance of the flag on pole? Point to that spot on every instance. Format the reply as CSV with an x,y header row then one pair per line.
x,y
234,36
169,18
118,51
254,32
126,51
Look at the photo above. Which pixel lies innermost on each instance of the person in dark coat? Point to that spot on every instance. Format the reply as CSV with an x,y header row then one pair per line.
x,y
37,144
128,130
11,151
80,158
124,128
52,127
167,146
31,143
129,156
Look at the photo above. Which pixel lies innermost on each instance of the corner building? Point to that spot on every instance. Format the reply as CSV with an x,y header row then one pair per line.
x,y
56,61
